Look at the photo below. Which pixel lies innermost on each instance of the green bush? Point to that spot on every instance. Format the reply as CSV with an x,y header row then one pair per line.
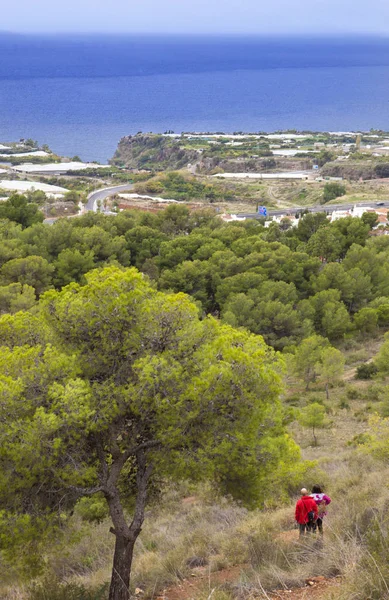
x,y
344,404
352,393
359,439
333,190
366,371
374,392
293,400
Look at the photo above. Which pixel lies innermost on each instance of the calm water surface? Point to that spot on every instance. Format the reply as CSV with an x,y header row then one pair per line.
x,y
81,95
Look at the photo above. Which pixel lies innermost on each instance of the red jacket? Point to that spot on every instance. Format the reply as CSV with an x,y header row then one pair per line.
x,y
305,505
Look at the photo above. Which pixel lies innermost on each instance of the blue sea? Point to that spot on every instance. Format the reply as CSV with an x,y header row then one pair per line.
x,y
81,94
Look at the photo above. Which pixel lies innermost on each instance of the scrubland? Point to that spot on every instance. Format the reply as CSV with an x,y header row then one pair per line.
x,y
296,288
196,544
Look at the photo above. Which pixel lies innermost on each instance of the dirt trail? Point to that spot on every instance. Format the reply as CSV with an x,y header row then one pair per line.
x,y
201,580
314,589
202,584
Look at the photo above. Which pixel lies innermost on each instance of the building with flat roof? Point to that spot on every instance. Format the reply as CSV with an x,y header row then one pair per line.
x,y
28,186
57,168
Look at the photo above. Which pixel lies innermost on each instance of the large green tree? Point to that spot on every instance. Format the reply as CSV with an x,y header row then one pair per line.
x,y
113,387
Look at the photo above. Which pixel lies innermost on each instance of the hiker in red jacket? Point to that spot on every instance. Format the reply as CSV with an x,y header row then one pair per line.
x,y
306,512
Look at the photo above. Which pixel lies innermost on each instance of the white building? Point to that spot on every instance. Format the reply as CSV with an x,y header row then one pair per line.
x,y
40,153
54,191
58,168
286,175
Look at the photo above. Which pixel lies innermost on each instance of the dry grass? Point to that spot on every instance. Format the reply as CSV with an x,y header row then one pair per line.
x,y
266,543
190,523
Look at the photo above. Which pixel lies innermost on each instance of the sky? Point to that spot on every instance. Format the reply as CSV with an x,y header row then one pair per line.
x,y
321,17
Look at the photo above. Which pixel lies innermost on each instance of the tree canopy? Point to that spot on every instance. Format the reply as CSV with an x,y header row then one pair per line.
x,y
113,387
277,273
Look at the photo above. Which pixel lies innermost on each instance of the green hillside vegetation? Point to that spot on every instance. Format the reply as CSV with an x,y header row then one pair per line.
x,y
148,358
183,187
152,152
14,159
160,153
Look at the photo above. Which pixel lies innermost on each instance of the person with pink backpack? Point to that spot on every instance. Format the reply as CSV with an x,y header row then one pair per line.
x,y
322,501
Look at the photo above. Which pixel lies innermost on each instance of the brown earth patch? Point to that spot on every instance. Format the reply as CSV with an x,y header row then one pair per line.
x,y
314,589
200,582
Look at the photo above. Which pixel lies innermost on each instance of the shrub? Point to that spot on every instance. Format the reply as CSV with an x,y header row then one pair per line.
x,y
352,393
374,392
293,400
333,190
366,371
344,404
53,590
315,400
359,440
382,170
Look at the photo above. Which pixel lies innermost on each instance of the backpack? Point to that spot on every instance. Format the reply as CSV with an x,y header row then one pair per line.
x,y
311,517
321,508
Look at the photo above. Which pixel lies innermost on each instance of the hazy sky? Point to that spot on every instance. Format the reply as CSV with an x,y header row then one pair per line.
x,y
197,16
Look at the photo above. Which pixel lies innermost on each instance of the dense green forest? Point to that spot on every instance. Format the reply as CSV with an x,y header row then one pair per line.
x,y
282,283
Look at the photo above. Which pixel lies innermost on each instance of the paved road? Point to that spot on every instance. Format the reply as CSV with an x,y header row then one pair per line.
x,y
105,193
321,208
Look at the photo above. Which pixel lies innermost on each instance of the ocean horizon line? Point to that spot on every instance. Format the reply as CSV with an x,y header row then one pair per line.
x,y
343,36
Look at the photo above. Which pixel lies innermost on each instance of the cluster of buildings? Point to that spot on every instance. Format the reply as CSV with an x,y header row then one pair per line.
x,y
382,227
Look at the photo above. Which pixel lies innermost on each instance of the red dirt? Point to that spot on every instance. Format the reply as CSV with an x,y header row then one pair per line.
x,y
313,590
203,582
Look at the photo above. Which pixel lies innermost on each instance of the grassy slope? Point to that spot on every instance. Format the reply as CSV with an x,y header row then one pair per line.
x,y
278,194
264,545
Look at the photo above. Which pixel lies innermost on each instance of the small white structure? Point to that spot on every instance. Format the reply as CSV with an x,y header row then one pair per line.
x,y
287,175
277,219
144,197
227,217
58,167
54,191
293,152
340,214
40,153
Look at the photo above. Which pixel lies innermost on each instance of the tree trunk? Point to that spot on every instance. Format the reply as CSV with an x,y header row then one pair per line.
x,y
126,536
327,392
314,436
121,569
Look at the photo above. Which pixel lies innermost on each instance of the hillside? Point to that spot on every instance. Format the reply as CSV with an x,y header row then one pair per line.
x,y
240,362
152,152
162,152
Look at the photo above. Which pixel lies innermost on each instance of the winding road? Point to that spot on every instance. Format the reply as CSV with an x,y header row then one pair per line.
x,y
94,197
